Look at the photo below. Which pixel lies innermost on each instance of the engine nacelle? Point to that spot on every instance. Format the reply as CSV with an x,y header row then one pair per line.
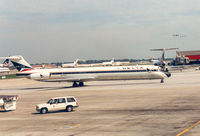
x,y
39,76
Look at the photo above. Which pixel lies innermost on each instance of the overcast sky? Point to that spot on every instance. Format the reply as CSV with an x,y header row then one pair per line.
x,y
64,30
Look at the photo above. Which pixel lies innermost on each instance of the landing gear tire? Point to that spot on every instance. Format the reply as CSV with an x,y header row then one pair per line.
x,y
81,84
162,81
75,84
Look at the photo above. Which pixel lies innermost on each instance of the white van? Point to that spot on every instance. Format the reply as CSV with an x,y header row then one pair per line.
x,y
58,103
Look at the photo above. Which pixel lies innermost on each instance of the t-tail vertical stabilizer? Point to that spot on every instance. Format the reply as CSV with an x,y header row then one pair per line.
x,y
19,62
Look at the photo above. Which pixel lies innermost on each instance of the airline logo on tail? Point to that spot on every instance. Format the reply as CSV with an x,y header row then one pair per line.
x,y
5,63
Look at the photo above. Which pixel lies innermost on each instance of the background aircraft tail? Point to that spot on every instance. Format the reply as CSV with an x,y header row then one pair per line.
x,y
113,60
5,63
75,62
19,62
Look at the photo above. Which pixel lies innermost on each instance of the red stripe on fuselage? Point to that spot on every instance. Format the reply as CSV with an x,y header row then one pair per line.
x,y
26,70
194,57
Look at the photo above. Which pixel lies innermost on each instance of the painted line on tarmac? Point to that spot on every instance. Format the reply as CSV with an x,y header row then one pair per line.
x,y
184,131
72,126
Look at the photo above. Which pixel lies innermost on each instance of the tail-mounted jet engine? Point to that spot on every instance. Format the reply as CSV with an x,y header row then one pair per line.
x,y
39,76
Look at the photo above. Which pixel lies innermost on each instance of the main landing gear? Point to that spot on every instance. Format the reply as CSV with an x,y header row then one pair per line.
x,y
75,84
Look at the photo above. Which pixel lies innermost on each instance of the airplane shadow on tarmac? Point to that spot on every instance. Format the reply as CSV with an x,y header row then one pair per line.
x,y
68,87
47,88
40,88
125,84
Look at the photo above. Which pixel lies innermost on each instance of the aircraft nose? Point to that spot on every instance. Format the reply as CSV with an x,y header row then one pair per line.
x,y
162,75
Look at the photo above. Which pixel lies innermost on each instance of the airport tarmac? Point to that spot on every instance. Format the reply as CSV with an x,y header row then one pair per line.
x,y
107,108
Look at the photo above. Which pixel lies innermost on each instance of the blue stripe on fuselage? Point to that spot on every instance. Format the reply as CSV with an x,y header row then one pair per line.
x,y
90,72
93,72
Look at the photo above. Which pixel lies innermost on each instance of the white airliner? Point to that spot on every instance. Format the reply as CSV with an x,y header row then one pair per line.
x,y
70,65
80,75
109,63
3,67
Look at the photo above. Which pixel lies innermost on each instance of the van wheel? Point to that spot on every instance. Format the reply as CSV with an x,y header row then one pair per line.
x,y
69,108
43,111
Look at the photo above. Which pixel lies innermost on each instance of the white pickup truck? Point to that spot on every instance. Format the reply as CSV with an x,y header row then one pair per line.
x,y
58,103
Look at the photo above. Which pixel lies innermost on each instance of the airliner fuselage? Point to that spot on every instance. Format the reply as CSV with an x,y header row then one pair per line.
x,y
83,74
94,73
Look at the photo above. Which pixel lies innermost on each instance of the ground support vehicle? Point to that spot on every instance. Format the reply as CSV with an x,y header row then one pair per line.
x,y
58,103
8,102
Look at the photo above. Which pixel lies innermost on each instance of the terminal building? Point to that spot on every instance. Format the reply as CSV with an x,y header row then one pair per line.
x,y
187,57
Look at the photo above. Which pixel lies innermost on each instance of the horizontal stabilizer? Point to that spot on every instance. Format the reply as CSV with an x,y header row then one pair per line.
x,y
11,58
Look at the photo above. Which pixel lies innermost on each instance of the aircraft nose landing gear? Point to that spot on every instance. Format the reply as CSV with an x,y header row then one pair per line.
x,y
162,81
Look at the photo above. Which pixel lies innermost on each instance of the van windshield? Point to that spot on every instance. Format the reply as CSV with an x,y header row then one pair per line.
x,y
50,101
